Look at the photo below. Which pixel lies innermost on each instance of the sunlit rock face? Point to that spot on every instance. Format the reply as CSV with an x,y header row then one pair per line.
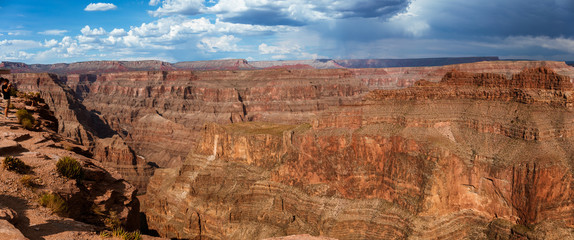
x,y
474,155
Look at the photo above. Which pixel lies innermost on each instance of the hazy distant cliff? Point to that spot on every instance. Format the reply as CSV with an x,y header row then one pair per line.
x,y
97,67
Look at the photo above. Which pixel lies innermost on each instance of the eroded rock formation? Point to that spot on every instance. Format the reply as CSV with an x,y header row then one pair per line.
x,y
476,155
476,150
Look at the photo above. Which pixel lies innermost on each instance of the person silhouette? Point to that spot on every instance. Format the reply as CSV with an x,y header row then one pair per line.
x,y
6,91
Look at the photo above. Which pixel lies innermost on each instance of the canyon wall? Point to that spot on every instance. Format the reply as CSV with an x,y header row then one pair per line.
x,y
85,126
477,150
476,155
160,114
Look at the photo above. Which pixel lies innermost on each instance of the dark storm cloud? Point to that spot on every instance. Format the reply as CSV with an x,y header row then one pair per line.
x,y
303,12
475,18
365,9
266,17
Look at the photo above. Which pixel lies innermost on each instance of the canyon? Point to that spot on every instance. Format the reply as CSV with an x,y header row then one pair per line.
x,y
476,150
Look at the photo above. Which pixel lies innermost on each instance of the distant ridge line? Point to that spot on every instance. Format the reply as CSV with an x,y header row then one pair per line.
x,y
97,67
410,62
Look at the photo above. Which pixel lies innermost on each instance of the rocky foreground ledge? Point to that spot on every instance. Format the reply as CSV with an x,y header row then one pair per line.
x,y
90,201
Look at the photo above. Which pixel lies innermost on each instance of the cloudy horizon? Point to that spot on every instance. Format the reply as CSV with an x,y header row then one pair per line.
x,y
35,31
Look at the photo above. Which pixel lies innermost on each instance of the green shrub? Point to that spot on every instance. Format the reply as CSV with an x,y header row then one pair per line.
x,y
26,119
15,165
70,168
54,202
27,124
122,234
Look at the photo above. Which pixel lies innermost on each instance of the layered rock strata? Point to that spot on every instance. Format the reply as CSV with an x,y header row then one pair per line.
x,y
160,114
477,155
84,126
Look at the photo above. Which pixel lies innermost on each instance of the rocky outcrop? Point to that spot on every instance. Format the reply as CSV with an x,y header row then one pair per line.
x,y
74,121
115,154
97,195
475,155
82,125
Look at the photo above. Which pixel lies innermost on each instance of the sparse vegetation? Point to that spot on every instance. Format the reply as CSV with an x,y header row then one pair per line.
x,y
15,165
69,167
27,124
32,98
14,91
121,234
54,202
30,181
26,119
113,221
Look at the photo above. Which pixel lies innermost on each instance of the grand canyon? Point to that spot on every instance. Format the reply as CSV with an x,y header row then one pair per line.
x,y
467,148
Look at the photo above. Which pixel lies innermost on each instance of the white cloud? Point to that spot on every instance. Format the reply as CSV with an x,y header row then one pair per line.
x,y
118,32
53,32
17,50
50,43
19,44
287,50
226,43
266,49
93,32
154,2
86,39
100,7
171,7
19,33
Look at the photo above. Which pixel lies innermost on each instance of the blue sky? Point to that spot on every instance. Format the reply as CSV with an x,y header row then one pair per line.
x,y
56,31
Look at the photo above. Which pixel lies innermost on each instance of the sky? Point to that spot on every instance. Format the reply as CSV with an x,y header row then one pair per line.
x,y
64,31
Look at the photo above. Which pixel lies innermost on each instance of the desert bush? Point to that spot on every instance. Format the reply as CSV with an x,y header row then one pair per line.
x,y
54,202
69,167
32,98
121,234
113,221
27,124
14,91
30,181
15,165
26,119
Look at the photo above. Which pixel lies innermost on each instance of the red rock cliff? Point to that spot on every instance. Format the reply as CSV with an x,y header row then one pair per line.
x,y
475,155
